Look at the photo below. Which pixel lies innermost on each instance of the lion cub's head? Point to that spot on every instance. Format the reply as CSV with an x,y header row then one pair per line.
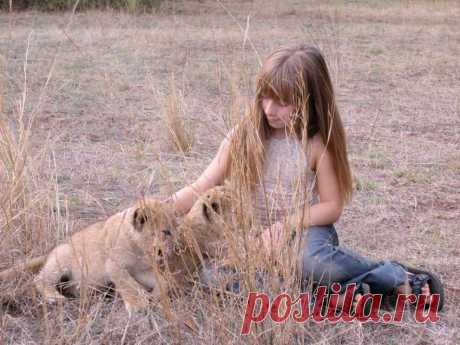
x,y
209,218
154,228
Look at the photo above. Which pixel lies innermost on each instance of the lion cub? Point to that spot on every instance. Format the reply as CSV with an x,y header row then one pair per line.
x,y
201,236
123,251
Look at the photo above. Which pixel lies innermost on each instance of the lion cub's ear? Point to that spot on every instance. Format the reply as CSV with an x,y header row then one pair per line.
x,y
139,218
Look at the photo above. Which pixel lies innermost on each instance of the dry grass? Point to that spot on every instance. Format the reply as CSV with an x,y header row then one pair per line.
x,y
174,118
97,140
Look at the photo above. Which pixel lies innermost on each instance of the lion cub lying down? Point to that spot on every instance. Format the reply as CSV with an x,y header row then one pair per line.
x,y
136,250
122,251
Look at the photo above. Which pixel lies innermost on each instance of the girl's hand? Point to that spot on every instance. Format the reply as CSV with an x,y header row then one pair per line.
x,y
272,238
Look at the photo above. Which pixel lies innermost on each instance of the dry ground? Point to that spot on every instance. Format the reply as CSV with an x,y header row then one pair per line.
x,y
98,141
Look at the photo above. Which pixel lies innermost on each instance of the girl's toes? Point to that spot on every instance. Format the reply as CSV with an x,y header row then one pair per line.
x,y
426,292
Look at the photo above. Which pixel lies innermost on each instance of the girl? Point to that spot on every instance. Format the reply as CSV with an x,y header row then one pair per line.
x,y
293,139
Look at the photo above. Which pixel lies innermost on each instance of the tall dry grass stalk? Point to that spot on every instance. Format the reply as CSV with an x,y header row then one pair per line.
x,y
233,112
13,180
15,200
180,133
24,202
255,268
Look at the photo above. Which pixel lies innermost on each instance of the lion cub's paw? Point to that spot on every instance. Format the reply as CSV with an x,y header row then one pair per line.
x,y
48,293
136,305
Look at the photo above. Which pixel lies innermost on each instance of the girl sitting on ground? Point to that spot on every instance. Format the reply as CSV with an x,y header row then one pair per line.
x,y
290,144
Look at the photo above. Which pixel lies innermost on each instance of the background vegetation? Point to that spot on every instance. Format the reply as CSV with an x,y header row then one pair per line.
x,y
63,5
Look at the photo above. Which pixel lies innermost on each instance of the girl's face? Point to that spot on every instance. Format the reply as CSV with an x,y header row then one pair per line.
x,y
277,113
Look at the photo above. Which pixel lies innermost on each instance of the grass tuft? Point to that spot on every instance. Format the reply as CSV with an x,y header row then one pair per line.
x,y
180,132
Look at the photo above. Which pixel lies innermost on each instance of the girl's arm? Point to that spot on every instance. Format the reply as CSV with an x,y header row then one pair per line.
x,y
212,176
330,207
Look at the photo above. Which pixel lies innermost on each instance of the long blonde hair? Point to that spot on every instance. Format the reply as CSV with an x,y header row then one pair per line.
x,y
296,75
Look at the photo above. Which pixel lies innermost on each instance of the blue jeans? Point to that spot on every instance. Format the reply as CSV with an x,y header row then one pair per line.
x,y
324,262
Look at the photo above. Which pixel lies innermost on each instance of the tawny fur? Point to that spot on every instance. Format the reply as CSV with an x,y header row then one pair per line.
x,y
201,236
114,251
123,251
33,265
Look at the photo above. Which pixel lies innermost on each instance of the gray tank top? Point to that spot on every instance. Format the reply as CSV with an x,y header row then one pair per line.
x,y
288,182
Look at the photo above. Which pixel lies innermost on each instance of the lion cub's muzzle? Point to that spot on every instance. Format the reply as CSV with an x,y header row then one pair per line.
x,y
167,245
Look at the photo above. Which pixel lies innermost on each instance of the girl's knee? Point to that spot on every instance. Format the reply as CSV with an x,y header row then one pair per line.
x,y
319,262
322,273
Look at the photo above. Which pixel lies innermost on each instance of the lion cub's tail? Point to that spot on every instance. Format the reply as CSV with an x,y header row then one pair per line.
x,y
31,266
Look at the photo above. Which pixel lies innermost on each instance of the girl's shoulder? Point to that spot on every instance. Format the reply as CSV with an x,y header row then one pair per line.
x,y
225,143
224,146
